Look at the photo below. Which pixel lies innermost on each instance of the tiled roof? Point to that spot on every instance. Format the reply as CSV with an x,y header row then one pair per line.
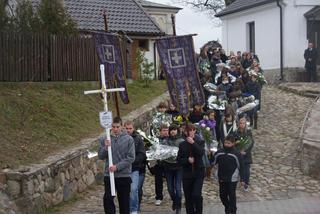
x,y
157,5
124,15
240,5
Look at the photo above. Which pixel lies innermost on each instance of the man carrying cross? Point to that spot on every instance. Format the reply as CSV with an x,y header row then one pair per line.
x,y
123,155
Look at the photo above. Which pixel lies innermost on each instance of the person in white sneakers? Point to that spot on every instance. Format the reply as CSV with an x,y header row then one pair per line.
x,y
138,163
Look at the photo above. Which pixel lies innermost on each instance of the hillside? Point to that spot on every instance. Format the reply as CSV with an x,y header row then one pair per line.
x,y
37,119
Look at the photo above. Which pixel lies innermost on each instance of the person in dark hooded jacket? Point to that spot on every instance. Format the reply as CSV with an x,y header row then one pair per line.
x,y
230,167
173,170
190,156
137,165
244,133
252,87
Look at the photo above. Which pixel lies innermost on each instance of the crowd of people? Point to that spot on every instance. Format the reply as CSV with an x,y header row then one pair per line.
x,y
215,137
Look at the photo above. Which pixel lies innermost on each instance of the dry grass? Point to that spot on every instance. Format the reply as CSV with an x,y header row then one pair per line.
x,y
38,119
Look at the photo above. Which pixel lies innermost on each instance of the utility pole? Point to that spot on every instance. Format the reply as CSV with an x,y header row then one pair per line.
x,y
115,95
173,19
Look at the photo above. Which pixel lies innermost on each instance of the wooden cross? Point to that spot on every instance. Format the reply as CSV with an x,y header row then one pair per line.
x,y
104,92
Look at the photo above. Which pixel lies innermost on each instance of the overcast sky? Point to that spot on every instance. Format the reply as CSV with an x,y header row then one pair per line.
x,y
189,21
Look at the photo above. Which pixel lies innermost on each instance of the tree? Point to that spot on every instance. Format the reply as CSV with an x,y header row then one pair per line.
x,y
4,17
212,6
139,61
145,69
54,19
148,71
26,19
50,16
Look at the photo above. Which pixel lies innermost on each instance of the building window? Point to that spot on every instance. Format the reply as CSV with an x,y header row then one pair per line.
x,y
251,36
144,44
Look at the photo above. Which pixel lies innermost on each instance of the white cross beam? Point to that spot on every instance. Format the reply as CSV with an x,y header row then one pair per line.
x,y
104,92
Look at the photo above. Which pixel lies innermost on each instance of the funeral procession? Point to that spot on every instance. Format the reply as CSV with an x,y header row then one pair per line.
x,y
159,107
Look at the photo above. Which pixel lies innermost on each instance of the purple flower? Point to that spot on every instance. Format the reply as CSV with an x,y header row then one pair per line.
x,y
209,123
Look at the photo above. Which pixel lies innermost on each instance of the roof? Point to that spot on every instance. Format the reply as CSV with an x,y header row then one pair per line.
x,y
240,5
313,13
157,5
122,15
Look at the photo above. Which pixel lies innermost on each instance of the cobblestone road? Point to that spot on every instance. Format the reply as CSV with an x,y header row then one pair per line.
x,y
275,172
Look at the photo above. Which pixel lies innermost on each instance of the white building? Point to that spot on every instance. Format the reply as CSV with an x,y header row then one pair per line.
x,y
255,26
162,15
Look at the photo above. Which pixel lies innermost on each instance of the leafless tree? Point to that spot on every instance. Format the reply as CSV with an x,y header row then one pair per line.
x,y
211,6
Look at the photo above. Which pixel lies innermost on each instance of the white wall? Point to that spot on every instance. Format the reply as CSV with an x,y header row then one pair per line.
x,y
267,33
164,21
295,34
163,18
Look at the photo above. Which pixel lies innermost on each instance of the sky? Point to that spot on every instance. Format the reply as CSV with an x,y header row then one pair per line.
x,y
189,21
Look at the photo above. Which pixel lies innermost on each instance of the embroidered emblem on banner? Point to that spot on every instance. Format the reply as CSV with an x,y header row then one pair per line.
x,y
108,53
177,58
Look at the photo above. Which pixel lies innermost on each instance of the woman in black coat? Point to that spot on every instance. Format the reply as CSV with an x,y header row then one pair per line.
x,y
254,88
189,157
244,133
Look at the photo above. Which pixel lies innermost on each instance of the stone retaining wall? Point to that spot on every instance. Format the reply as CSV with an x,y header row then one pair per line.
x,y
310,164
310,132
310,161
289,75
32,189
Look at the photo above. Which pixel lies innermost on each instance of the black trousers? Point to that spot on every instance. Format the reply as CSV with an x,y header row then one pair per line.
x,y
158,181
228,196
313,76
192,188
123,186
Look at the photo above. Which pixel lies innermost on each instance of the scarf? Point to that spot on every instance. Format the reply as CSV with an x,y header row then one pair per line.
x,y
233,128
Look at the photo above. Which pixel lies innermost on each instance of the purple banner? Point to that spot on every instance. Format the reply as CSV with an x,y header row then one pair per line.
x,y
178,59
109,53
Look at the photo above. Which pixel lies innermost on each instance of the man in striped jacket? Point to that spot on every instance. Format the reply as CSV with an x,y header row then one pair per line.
x,y
230,168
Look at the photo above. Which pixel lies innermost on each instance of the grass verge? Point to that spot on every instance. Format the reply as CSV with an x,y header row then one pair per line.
x,y
38,119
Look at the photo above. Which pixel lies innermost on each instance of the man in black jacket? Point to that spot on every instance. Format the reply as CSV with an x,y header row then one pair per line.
x,y
189,157
254,88
310,55
137,165
230,166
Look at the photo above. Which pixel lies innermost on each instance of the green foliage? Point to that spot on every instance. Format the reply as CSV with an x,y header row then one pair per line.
x,y
243,143
26,19
50,17
139,61
206,134
148,71
54,19
4,18
145,69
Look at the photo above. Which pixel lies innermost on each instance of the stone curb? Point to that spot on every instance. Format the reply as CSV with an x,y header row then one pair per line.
x,y
309,137
305,93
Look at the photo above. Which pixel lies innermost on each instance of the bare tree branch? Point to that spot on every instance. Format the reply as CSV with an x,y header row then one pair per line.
x,y
211,6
